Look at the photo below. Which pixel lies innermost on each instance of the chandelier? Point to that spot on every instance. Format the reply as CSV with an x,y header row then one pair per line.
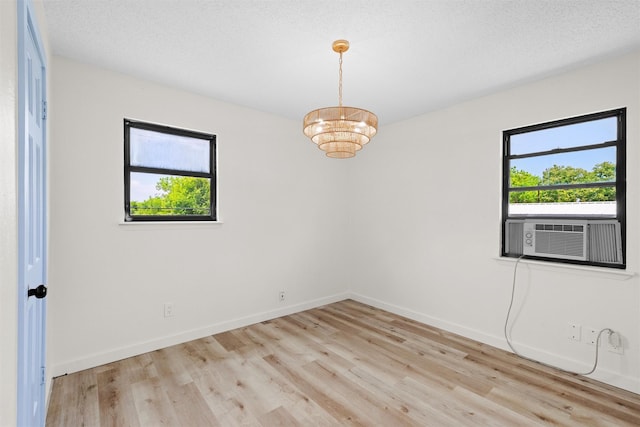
x,y
340,131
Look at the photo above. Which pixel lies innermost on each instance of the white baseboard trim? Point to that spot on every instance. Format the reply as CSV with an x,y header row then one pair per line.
x,y
97,359
607,376
102,358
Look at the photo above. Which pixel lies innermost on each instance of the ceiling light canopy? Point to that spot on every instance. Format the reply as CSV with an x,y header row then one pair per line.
x,y
340,131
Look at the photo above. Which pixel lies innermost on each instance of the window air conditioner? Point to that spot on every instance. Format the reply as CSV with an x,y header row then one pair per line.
x,y
582,240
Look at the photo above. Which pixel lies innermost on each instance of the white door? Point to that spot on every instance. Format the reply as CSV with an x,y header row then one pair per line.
x,y
32,244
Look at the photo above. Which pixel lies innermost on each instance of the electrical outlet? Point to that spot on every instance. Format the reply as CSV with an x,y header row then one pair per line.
x,y
591,336
168,309
281,296
615,343
574,332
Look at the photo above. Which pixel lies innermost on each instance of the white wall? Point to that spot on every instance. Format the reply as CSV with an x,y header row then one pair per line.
x,y
279,197
426,216
8,213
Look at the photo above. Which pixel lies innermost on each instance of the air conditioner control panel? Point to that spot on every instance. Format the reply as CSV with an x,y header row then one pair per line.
x,y
529,238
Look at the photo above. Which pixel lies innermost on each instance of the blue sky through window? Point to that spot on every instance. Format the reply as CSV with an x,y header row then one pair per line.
x,y
143,185
586,133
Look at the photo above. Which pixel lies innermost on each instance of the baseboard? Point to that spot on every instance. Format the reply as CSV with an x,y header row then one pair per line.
x,y
607,376
102,358
604,375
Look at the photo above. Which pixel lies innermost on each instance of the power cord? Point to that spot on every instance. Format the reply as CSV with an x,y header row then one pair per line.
x,y
506,335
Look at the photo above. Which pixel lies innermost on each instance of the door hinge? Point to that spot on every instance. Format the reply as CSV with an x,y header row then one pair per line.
x,y
44,110
42,381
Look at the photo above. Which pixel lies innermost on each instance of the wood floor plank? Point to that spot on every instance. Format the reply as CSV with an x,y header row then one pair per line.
x,y
229,340
138,368
279,417
492,413
153,407
190,407
324,397
222,403
83,395
524,403
247,385
341,364
170,363
568,394
365,401
412,405
115,400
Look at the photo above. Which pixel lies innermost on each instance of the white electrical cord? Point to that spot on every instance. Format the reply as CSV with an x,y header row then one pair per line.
x,y
506,322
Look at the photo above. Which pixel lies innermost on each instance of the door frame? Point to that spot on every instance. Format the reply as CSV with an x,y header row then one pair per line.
x,y
27,26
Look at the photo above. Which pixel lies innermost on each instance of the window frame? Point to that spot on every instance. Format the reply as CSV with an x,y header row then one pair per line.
x,y
128,169
620,181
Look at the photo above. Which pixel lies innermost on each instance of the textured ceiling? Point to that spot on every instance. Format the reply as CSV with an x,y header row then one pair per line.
x,y
407,57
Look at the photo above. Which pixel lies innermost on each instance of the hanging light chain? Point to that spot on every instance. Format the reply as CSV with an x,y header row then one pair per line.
x,y
340,82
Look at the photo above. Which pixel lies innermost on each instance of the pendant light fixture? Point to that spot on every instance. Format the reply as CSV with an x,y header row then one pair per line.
x,y
340,131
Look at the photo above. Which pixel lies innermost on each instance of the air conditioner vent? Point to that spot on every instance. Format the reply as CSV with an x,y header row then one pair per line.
x,y
513,239
604,245
555,240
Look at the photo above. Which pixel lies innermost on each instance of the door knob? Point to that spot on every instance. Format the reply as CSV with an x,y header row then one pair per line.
x,y
39,292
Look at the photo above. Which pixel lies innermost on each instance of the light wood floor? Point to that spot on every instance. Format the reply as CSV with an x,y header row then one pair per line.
x,y
342,364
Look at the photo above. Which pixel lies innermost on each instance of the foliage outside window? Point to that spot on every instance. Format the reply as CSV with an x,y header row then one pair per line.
x,y
604,172
567,169
169,173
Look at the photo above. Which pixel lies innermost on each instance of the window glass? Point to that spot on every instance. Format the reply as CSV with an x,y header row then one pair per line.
x,y
167,151
565,168
574,135
599,201
155,194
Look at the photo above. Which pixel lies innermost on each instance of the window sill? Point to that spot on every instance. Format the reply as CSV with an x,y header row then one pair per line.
x,y
166,225
611,273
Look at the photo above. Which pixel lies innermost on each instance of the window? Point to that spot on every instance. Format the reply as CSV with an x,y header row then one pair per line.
x,y
169,173
566,175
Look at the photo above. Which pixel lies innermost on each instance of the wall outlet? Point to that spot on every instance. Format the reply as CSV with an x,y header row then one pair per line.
x,y
591,336
281,296
614,343
168,309
574,332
